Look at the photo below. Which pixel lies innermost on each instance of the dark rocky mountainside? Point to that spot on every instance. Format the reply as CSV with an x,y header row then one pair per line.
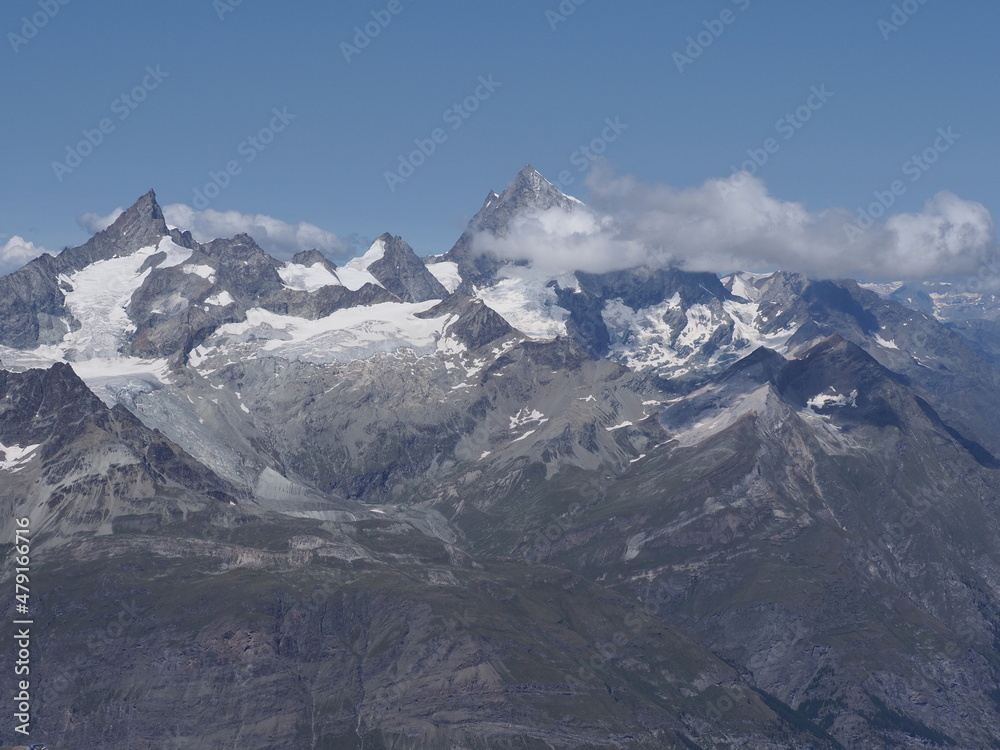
x,y
401,272
89,468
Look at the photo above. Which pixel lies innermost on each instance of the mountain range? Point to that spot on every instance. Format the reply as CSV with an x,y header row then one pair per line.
x,y
456,502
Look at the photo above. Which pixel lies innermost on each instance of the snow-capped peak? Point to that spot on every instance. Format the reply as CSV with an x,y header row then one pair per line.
x,y
299,277
375,253
531,190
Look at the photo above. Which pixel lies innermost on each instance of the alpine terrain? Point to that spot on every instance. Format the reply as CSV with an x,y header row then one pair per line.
x,y
455,502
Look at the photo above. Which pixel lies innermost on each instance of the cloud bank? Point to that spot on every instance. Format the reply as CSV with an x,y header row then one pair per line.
x,y
277,237
735,224
16,252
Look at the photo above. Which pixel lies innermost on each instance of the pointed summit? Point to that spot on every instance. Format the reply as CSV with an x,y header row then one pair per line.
x,y
311,258
143,221
142,225
392,261
530,181
529,191
43,322
530,174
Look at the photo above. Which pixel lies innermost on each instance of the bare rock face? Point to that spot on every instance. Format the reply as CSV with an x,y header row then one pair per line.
x,y
404,274
476,325
83,467
142,225
297,647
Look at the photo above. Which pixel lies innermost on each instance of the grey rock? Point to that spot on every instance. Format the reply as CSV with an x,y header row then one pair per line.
x,y
404,274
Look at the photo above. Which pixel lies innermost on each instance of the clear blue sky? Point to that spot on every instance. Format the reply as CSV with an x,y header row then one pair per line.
x,y
557,87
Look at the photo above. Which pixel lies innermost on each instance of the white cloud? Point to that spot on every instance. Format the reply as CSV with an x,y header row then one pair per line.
x,y
16,252
950,233
95,223
726,225
555,240
277,237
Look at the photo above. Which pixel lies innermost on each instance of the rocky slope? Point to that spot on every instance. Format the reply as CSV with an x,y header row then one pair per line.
x,y
452,502
76,467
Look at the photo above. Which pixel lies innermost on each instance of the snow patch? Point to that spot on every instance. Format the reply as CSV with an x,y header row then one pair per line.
x,y
222,299
301,278
355,274
344,336
640,338
744,316
528,304
742,285
15,457
375,252
446,272
887,344
206,272
701,324
827,400
98,298
527,417
883,290
354,279
619,426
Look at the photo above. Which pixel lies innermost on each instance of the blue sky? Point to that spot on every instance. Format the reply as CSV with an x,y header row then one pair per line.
x,y
553,90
